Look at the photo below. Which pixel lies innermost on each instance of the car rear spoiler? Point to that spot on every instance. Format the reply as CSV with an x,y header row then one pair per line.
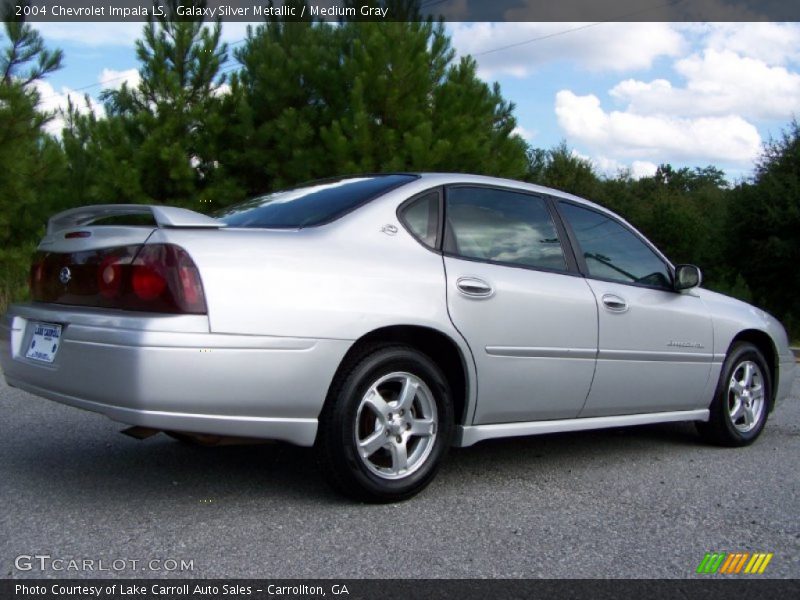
x,y
164,216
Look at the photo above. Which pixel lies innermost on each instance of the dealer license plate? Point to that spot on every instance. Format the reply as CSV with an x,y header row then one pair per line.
x,y
45,342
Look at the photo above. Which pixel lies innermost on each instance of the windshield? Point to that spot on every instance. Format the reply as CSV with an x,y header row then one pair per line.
x,y
310,204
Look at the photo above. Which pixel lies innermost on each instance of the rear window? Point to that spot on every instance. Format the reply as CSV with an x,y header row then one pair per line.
x,y
311,204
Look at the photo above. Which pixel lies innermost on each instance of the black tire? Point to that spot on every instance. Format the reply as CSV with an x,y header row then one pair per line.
x,y
722,428
344,416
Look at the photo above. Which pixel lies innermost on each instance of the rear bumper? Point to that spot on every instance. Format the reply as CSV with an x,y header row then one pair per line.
x,y
169,372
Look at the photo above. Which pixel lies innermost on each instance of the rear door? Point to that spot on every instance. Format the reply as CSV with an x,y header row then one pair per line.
x,y
514,293
655,344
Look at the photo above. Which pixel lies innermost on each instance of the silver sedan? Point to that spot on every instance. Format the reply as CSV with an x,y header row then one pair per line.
x,y
382,319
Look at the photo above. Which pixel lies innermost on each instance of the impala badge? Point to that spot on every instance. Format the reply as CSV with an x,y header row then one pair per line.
x,y
65,275
389,229
685,344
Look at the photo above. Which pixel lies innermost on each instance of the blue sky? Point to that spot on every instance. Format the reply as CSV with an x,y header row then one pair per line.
x,y
624,95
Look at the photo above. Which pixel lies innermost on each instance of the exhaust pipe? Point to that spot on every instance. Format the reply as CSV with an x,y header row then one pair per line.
x,y
140,433
201,439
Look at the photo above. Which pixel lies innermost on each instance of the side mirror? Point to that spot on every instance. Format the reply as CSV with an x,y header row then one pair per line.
x,y
687,277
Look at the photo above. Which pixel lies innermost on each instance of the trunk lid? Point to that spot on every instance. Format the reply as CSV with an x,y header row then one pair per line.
x,y
83,262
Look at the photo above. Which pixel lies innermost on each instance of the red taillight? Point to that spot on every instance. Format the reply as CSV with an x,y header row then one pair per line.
x,y
148,284
190,296
36,277
190,286
166,272
152,278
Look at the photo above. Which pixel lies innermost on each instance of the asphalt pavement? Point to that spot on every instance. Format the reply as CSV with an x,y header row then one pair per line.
x,y
639,502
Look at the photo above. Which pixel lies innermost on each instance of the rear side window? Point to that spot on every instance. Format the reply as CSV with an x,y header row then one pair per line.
x,y
613,251
501,226
311,204
421,216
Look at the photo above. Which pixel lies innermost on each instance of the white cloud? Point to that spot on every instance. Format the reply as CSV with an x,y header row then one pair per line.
x,y
235,31
717,83
525,134
643,168
111,79
603,46
773,43
604,164
222,90
701,111
91,34
53,101
611,167
658,137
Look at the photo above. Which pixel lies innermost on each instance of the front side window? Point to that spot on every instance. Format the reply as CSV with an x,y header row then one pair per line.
x,y
501,226
613,251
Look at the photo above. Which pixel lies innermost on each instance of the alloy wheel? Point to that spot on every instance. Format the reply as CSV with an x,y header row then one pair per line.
x,y
746,396
396,425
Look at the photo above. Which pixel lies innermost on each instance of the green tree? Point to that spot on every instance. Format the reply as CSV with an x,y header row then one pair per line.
x,y
160,140
32,160
280,101
683,211
764,228
562,169
317,99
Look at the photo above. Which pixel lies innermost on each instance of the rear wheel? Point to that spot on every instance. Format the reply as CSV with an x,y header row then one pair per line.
x,y
741,405
386,425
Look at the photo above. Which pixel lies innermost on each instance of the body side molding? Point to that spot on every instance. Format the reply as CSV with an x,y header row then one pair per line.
x,y
469,435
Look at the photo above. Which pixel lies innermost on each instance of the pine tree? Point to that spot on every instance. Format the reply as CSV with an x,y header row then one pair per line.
x,y
318,100
32,160
159,142
279,102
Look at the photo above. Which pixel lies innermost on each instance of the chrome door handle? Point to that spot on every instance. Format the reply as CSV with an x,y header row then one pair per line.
x,y
474,287
614,303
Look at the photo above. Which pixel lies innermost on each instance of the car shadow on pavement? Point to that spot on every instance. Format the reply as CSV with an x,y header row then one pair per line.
x,y
113,467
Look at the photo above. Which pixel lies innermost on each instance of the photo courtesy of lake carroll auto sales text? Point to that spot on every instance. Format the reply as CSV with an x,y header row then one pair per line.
x,y
166,590
399,299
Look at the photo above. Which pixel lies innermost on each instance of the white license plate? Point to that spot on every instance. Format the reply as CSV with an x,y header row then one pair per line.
x,y
45,341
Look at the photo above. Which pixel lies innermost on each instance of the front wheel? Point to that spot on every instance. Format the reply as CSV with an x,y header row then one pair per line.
x,y
386,425
741,404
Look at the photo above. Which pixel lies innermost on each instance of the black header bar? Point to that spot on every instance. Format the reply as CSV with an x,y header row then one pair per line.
x,y
66,11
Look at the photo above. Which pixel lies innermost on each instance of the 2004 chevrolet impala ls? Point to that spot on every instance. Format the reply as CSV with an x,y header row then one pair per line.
x,y
382,319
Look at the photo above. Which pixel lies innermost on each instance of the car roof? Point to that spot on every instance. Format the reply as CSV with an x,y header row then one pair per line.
x,y
433,179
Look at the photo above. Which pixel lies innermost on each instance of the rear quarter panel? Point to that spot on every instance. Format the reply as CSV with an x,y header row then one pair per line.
x,y
337,281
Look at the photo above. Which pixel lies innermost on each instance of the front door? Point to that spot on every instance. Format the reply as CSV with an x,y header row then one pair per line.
x,y
655,344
